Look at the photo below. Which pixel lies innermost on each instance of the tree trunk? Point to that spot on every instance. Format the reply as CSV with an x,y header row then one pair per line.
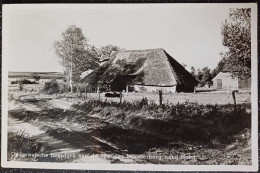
x,y
71,86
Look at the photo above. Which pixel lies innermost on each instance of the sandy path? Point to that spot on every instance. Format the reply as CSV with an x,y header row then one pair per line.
x,y
61,104
28,129
53,145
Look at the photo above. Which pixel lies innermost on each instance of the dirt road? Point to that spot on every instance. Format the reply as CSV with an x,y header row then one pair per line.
x,y
74,142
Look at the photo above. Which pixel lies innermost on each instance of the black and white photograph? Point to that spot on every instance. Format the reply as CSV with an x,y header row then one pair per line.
x,y
130,86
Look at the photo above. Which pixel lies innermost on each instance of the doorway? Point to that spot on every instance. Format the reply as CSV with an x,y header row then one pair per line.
x,y
219,83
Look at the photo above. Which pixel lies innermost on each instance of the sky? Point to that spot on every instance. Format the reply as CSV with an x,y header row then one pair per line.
x,y
191,34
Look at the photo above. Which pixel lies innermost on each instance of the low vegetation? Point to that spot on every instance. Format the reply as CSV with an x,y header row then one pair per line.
x,y
24,81
143,127
187,121
18,144
51,87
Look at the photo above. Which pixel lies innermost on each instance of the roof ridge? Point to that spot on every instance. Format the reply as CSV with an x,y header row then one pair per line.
x,y
142,50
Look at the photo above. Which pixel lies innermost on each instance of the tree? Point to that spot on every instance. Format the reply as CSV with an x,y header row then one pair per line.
x,y
109,49
74,54
94,52
207,77
203,76
219,68
193,71
236,35
199,75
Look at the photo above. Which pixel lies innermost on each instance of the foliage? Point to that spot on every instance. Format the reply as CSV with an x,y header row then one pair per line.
x,y
94,52
64,87
18,143
23,81
188,121
219,68
36,77
109,49
203,76
51,87
236,35
207,76
193,71
74,53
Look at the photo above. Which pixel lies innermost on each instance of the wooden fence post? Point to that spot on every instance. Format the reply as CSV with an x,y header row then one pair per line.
x,y
160,97
126,90
234,98
120,97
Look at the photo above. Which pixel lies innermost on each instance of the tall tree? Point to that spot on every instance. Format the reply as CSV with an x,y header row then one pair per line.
x,y
199,75
219,68
236,34
203,76
74,55
207,77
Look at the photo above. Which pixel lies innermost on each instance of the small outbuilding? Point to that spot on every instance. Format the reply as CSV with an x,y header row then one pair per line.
x,y
225,80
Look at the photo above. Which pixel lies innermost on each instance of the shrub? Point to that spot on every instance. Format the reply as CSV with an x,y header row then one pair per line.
x,y
24,81
51,87
143,101
64,87
36,77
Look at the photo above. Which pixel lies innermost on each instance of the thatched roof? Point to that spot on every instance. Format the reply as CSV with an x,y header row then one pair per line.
x,y
152,67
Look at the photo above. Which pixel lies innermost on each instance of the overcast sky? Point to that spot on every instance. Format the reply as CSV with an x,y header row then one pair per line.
x,y
190,34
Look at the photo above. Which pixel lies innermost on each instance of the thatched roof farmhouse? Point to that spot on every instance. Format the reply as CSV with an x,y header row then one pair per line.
x,y
149,70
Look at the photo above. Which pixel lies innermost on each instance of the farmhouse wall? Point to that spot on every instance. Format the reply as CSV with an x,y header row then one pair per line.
x,y
231,82
227,81
139,88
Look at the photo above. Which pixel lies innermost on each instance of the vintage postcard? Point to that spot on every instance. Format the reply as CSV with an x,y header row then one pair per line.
x,y
158,87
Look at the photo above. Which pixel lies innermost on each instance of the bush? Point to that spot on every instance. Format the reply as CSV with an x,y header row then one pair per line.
x,y
51,87
36,77
24,81
64,87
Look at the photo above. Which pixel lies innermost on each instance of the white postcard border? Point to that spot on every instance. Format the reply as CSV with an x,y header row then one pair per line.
x,y
133,167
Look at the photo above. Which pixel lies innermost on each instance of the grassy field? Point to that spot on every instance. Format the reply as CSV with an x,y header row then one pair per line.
x,y
189,128
43,75
213,97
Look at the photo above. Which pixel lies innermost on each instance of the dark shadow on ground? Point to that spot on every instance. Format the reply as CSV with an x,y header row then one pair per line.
x,y
109,140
